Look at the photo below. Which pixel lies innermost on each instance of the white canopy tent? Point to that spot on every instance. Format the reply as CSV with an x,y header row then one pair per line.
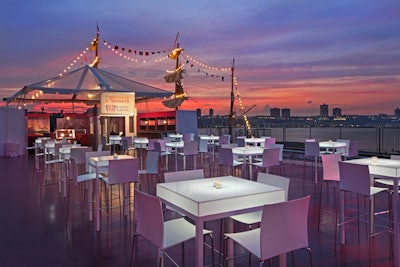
x,y
83,85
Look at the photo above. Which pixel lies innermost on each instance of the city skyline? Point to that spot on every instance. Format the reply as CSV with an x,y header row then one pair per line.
x,y
296,54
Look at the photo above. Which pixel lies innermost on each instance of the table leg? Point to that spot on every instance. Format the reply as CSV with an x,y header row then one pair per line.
x,y
396,223
97,199
199,243
316,170
176,159
342,232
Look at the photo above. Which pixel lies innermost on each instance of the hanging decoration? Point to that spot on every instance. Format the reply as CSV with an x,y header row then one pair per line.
x,y
209,68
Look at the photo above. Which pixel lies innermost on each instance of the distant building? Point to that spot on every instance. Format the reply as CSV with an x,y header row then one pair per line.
x,y
275,112
323,110
211,112
198,113
286,113
397,113
337,112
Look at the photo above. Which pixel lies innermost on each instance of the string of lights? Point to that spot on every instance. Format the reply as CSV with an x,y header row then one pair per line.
x,y
241,106
77,59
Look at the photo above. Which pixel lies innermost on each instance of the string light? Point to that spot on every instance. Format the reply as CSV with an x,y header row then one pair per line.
x,y
246,121
192,60
77,58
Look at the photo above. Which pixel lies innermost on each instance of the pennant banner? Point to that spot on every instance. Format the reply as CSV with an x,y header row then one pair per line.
x,y
135,51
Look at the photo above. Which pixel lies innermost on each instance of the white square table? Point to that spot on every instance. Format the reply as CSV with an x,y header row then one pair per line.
x,y
175,146
211,140
382,168
201,201
141,142
247,152
101,164
255,141
332,146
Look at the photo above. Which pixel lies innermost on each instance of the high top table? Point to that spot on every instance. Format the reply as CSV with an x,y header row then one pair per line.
x,y
332,146
201,201
247,152
382,168
99,164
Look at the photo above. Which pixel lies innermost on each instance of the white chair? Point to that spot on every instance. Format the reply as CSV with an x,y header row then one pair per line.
x,y
77,189
203,150
152,159
355,178
330,175
269,179
280,146
150,225
190,149
226,159
120,172
284,228
127,144
270,159
159,146
311,151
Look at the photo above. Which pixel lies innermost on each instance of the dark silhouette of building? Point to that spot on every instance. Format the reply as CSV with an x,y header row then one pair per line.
x,y
286,113
275,112
323,110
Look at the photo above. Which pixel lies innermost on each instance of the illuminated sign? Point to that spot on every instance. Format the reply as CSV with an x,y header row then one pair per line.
x,y
117,104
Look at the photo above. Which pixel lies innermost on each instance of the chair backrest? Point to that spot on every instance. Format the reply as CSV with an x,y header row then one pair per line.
x,y
149,218
89,154
311,149
159,145
270,157
125,144
104,140
203,145
354,178
224,139
280,146
225,156
269,141
150,145
284,227
186,137
190,148
330,167
183,175
152,158
78,153
274,180
240,141
345,151
73,170
57,147
353,149
229,145
123,171
395,157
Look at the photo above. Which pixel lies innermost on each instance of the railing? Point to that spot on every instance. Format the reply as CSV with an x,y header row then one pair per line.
x,y
371,140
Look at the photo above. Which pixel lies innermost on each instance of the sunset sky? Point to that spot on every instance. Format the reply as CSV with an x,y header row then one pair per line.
x,y
288,53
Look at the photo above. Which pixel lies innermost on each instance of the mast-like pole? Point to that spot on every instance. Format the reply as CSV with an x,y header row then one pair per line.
x,y
97,48
232,98
178,82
